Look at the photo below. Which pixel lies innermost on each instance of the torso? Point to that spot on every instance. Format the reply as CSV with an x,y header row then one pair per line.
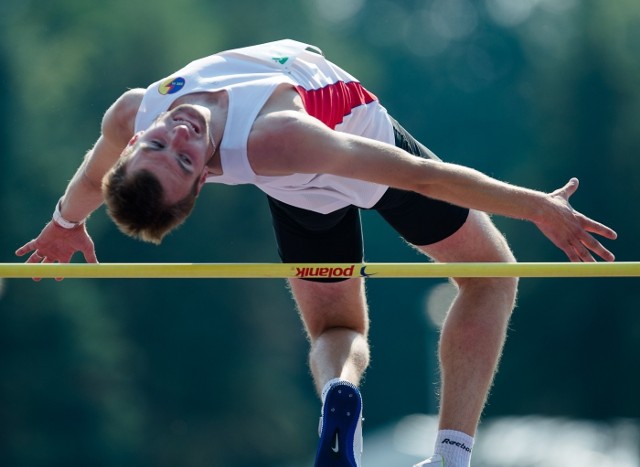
x,y
263,88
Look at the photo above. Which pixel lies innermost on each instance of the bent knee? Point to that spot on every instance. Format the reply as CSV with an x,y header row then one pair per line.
x,y
478,240
504,285
326,306
498,251
502,291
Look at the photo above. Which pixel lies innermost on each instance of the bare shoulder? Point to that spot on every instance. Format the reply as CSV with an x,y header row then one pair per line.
x,y
282,114
288,141
284,97
118,120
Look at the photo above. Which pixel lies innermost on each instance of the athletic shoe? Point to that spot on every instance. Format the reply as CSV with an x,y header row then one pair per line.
x,y
340,427
434,461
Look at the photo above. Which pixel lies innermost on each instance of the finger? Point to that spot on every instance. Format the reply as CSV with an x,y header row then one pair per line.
x,y
36,279
26,248
90,255
584,254
571,253
48,261
597,228
577,252
34,258
570,188
37,258
596,247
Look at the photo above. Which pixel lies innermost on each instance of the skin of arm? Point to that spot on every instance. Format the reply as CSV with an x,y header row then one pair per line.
x,y
293,142
83,194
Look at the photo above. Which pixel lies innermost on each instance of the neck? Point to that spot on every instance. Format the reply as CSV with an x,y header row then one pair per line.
x,y
213,145
214,165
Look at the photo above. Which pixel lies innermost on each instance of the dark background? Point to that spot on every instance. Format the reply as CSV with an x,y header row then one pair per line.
x,y
213,372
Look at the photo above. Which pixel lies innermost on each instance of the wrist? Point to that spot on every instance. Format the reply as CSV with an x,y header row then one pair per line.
x,y
538,210
59,220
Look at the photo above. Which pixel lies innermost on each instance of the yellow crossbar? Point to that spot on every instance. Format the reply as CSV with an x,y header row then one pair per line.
x,y
331,270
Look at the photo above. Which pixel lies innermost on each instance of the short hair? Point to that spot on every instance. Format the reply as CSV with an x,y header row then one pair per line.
x,y
136,203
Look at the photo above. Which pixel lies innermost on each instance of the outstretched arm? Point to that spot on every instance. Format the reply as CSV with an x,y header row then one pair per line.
x,y
66,233
552,213
311,147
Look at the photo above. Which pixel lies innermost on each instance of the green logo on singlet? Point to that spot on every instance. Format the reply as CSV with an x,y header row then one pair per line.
x,y
280,60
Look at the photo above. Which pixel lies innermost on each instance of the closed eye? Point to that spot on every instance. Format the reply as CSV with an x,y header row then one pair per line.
x,y
183,160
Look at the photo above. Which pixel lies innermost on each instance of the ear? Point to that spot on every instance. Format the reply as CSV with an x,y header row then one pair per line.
x,y
202,181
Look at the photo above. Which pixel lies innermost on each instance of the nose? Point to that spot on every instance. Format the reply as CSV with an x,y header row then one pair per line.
x,y
180,135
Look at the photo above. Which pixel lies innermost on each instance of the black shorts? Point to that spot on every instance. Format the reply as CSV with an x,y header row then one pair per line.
x,y
305,236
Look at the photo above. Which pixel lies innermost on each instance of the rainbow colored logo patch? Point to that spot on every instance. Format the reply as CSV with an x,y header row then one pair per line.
x,y
171,86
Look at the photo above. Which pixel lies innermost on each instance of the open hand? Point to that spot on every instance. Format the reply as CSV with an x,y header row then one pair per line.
x,y
572,231
57,245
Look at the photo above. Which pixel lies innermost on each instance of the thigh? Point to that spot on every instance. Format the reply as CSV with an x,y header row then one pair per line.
x,y
483,305
305,236
478,240
418,219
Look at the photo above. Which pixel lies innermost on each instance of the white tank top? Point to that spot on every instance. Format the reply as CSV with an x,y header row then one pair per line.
x,y
249,76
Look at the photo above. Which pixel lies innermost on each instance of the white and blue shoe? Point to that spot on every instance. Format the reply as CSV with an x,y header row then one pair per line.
x,y
434,461
340,427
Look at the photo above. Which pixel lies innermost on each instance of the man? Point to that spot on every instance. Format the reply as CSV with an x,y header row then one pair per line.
x,y
320,145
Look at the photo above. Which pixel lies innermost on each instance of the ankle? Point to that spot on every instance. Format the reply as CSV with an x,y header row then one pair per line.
x,y
455,447
327,386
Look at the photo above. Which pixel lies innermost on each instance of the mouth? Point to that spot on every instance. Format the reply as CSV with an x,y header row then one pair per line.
x,y
192,119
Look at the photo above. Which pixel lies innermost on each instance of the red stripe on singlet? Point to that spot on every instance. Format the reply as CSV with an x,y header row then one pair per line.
x,y
333,102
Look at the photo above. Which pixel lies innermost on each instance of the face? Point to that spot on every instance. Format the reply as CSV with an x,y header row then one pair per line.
x,y
175,149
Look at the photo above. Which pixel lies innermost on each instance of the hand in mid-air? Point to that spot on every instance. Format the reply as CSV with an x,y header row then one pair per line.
x,y
57,245
572,231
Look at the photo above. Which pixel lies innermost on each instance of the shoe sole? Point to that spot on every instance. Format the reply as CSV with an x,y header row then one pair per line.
x,y
340,416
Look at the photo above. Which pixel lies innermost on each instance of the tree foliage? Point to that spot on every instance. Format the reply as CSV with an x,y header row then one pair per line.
x,y
195,372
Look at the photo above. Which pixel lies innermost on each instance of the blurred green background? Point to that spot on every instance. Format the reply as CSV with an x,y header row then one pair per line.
x,y
213,372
